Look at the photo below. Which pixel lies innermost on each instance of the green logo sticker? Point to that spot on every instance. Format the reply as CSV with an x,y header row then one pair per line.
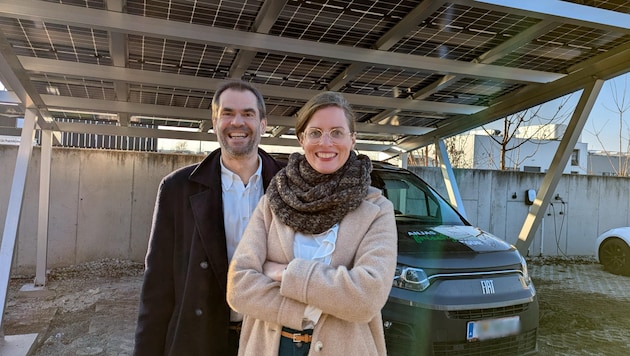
x,y
428,235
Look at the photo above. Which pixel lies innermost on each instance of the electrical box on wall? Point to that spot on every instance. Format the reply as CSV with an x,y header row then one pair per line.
x,y
530,196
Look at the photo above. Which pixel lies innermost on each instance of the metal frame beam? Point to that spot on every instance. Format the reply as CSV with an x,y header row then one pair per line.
x,y
15,78
389,39
162,111
138,76
14,209
560,159
265,19
118,49
605,66
145,26
455,197
132,131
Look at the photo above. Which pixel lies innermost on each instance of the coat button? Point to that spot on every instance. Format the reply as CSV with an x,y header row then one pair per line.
x,y
204,264
198,312
319,346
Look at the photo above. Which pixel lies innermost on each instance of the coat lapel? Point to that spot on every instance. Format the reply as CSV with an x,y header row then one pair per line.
x,y
208,213
207,208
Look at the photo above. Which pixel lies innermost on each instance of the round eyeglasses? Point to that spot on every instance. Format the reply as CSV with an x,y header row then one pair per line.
x,y
315,136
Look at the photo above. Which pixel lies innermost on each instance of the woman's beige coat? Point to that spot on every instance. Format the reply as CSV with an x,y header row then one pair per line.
x,y
350,291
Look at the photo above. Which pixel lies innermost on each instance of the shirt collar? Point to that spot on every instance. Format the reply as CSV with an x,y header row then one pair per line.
x,y
228,177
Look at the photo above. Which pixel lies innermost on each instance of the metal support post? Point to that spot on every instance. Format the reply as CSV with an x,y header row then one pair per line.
x,y
9,235
560,159
44,205
454,195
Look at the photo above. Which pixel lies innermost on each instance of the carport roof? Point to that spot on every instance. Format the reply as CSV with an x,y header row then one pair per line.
x,y
413,70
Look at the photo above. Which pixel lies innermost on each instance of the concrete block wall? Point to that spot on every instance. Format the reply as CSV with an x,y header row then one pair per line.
x,y
101,205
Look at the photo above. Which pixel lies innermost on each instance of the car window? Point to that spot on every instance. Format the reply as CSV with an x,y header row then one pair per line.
x,y
414,199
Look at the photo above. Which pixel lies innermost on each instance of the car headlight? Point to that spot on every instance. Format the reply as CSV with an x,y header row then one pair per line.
x,y
525,271
410,278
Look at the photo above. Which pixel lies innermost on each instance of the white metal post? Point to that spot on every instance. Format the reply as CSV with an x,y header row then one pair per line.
x,y
560,159
44,205
9,235
454,195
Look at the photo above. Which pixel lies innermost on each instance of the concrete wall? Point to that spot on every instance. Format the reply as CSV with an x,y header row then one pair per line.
x,y
102,203
589,205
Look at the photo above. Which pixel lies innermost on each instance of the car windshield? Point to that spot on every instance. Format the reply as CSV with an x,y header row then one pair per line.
x,y
414,200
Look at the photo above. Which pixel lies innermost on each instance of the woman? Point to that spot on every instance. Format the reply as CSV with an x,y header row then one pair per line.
x,y
317,259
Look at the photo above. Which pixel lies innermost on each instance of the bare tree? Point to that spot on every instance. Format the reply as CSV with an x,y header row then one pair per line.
x,y
510,139
621,106
456,149
621,102
420,157
181,146
507,139
428,155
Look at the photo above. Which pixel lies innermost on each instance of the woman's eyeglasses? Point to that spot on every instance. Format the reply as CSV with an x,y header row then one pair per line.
x,y
315,136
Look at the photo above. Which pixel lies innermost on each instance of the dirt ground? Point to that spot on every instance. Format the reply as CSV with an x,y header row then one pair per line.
x,y
92,309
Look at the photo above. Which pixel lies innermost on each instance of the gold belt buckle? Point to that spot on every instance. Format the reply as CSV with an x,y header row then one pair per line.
x,y
295,338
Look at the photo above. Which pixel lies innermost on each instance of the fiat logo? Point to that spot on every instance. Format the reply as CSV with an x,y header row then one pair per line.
x,y
487,286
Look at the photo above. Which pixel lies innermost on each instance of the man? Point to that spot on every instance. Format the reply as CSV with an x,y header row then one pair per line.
x,y
200,214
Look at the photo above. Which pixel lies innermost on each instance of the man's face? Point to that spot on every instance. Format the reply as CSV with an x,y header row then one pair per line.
x,y
238,125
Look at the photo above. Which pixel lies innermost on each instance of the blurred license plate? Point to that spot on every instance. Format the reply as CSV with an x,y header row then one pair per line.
x,y
492,328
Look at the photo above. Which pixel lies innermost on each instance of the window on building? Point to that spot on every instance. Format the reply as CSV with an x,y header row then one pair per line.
x,y
531,169
575,158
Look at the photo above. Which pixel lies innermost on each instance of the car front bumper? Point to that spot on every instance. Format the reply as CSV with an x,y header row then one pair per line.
x,y
428,327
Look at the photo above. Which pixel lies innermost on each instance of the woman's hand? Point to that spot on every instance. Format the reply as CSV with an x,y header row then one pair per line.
x,y
274,270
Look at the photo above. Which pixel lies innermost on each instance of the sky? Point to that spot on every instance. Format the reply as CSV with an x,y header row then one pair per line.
x,y
602,129
605,117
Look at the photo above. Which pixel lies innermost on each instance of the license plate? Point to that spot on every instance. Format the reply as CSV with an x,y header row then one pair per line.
x,y
492,328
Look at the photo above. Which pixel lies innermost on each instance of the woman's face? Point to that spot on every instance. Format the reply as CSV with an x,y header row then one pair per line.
x,y
327,140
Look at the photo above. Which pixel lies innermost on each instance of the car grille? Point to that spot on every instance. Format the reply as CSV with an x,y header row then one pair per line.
x,y
488,313
506,346
400,337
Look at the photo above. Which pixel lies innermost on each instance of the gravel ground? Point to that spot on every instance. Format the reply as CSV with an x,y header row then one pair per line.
x,y
92,308
584,310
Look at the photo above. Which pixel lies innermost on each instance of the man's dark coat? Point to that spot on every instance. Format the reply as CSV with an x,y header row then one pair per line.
x,y
183,310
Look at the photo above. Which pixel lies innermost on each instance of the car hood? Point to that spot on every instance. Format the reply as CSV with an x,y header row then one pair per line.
x,y
452,246
448,238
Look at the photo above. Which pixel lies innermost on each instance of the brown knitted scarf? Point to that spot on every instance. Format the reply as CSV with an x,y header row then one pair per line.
x,y
311,202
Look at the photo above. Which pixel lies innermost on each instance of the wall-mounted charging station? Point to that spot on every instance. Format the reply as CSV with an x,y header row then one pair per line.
x,y
530,196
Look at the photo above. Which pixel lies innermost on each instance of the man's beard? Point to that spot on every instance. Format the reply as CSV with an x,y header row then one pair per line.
x,y
240,151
